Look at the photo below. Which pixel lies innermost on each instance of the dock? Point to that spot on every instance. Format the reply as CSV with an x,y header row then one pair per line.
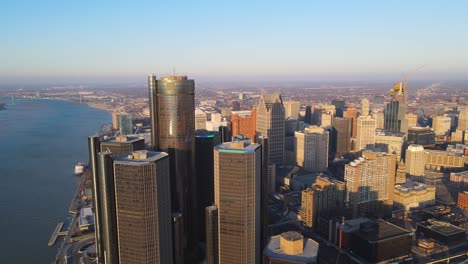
x,y
55,234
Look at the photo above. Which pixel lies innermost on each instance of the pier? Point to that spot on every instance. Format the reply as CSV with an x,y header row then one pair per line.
x,y
56,233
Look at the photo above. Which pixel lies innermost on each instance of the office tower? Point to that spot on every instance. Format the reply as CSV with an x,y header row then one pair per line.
x,y
200,119
122,144
341,136
421,136
125,124
311,148
412,119
211,225
379,99
291,109
340,106
115,121
379,118
324,195
365,136
370,183
172,106
351,113
270,124
365,107
244,123
390,142
400,173
462,118
326,119
268,185
236,106
224,133
290,247
395,111
143,207
441,125
238,169
308,115
204,164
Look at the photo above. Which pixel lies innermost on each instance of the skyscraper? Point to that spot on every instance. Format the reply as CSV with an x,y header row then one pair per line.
x,y
291,109
238,169
308,115
244,123
364,107
340,106
341,136
125,124
172,106
311,148
365,136
462,118
395,111
351,113
204,160
211,234
122,144
370,183
270,123
415,160
143,207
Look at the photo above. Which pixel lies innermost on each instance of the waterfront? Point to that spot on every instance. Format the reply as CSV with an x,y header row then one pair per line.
x,y
40,142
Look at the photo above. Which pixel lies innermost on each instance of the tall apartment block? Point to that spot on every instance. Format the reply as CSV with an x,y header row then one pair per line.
x,y
370,183
311,148
271,124
365,136
351,113
238,169
415,160
244,123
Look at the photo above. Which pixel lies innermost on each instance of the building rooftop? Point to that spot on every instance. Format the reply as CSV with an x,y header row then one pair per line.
x,y
379,230
441,227
237,147
86,217
121,140
410,185
140,157
381,132
309,253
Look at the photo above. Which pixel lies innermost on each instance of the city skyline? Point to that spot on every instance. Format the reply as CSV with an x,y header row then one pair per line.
x,y
97,42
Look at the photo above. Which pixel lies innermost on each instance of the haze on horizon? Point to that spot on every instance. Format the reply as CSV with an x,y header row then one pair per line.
x,y
89,41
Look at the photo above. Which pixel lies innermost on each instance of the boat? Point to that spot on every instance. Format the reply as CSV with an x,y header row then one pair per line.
x,y
80,168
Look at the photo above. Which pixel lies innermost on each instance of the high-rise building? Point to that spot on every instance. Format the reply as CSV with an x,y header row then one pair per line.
x,y
462,118
340,106
341,135
270,123
122,144
238,169
365,107
326,119
211,234
421,136
379,118
125,124
244,123
441,125
390,142
308,115
311,148
400,173
172,106
324,195
395,111
365,135
200,119
370,183
379,99
115,121
351,113
291,109
204,164
143,208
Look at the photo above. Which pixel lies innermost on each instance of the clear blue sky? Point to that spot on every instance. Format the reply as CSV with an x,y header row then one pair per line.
x,y
126,40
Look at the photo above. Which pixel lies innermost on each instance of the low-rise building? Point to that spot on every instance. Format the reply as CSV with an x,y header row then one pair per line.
x,y
413,195
290,248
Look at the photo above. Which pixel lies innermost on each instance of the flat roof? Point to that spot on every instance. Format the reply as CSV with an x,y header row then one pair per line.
x,y
127,158
379,230
441,227
309,254
86,217
113,140
226,147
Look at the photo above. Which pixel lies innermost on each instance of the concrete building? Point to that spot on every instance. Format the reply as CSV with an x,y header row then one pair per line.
x,y
462,118
324,195
341,136
365,135
421,136
200,119
379,118
311,148
437,159
270,123
365,107
244,123
292,109
463,200
115,121
370,183
143,208
326,119
390,142
290,247
351,113
415,160
413,195
400,173
122,144
441,125
238,171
